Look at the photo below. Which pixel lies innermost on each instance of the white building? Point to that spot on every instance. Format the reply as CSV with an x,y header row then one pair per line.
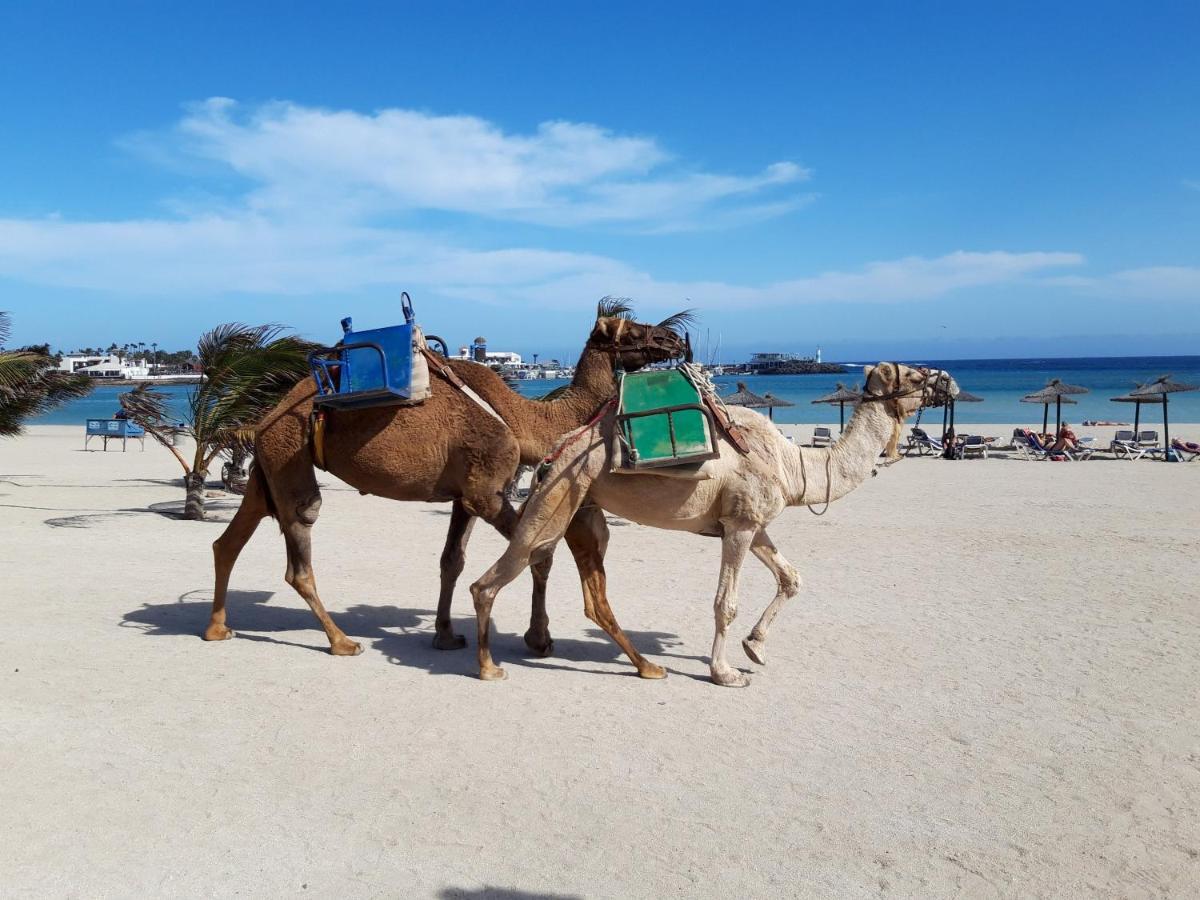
x,y
493,357
107,366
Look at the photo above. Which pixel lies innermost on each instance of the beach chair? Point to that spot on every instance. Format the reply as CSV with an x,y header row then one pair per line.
x,y
822,437
920,441
1028,445
1123,446
974,445
1148,440
1185,450
1084,448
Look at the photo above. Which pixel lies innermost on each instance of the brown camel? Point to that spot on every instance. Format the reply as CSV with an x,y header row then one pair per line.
x,y
445,449
734,497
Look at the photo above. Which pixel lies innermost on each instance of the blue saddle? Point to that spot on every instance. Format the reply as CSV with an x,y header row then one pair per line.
x,y
367,368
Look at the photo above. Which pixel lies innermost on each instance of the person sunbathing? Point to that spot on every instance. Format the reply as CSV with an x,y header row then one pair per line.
x,y
1067,440
1189,447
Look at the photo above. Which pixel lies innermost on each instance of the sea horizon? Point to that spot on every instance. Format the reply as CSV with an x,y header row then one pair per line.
x,y
1001,382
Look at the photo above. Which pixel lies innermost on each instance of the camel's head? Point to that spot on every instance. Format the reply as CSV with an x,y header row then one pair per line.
x,y
905,389
637,344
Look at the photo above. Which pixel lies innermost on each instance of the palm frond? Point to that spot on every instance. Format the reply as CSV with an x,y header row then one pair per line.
x,y
248,370
30,385
680,322
5,327
614,308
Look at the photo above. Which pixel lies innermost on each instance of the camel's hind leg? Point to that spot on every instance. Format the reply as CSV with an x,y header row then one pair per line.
x,y
296,523
788,581
453,558
734,544
587,536
229,545
537,637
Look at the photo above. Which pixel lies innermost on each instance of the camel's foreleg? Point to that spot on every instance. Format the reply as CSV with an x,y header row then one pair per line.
x,y
543,521
734,544
297,535
229,545
453,559
787,580
587,536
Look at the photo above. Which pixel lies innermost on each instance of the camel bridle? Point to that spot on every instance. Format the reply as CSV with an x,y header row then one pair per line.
x,y
899,392
654,340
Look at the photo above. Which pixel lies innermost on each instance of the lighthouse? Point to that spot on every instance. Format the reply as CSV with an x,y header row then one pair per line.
x,y
818,354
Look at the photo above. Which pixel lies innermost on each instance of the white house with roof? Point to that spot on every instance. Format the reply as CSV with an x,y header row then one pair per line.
x,y
105,366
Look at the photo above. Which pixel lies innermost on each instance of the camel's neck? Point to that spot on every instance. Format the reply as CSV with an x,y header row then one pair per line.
x,y
813,473
539,424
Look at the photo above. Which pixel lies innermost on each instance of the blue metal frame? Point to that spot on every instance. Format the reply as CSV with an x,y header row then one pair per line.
x,y
331,368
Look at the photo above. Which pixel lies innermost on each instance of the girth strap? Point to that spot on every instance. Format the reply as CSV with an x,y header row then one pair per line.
x,y
722,417
318,439
449,374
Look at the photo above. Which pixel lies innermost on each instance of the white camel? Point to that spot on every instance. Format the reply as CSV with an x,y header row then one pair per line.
x,y
734,497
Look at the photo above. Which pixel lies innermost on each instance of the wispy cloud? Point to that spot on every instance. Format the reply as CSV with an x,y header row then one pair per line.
x,y
1170,283
301,160
319,193
255,253
1192,183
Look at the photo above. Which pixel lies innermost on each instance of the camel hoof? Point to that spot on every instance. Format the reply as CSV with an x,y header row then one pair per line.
x,y
731,678
346,648
492,673
539,642
448,641
651,671
218,633
756,650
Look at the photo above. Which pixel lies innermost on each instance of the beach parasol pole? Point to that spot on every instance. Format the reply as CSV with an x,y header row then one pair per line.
x,y
1137,417
1045,417
1167,451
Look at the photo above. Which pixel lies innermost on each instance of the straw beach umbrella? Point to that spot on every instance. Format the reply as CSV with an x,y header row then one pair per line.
x,y
1161,387
1054,392
948,411
743,396
841,397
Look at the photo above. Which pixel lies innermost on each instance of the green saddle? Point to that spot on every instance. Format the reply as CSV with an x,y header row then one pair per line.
x,y
663,420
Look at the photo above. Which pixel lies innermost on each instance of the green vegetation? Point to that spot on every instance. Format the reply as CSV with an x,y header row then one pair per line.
x,y
247,371
30,384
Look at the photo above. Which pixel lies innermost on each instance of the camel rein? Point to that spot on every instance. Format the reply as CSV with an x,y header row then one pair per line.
x,y
550,458
894,395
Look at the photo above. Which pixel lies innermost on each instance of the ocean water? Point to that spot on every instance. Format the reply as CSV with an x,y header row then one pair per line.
x,y
1000,382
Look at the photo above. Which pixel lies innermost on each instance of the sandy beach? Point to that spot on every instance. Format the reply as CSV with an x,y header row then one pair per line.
x,y
987,688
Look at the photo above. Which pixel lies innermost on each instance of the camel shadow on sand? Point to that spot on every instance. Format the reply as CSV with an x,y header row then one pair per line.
x,y
496,893
403,635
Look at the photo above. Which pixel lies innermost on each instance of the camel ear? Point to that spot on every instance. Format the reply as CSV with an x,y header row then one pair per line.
x,y
608,329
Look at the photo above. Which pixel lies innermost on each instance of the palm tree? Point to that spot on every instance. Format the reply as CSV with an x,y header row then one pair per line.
x,y
246,371
31,385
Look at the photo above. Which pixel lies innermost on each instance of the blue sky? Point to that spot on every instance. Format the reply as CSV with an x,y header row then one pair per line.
x,y
881,179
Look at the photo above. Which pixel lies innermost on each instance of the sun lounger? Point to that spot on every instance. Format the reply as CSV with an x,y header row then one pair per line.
x,y
822,437
1123,446
974,445
920,441
1084,448
1186,450
1028,445
1148,439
